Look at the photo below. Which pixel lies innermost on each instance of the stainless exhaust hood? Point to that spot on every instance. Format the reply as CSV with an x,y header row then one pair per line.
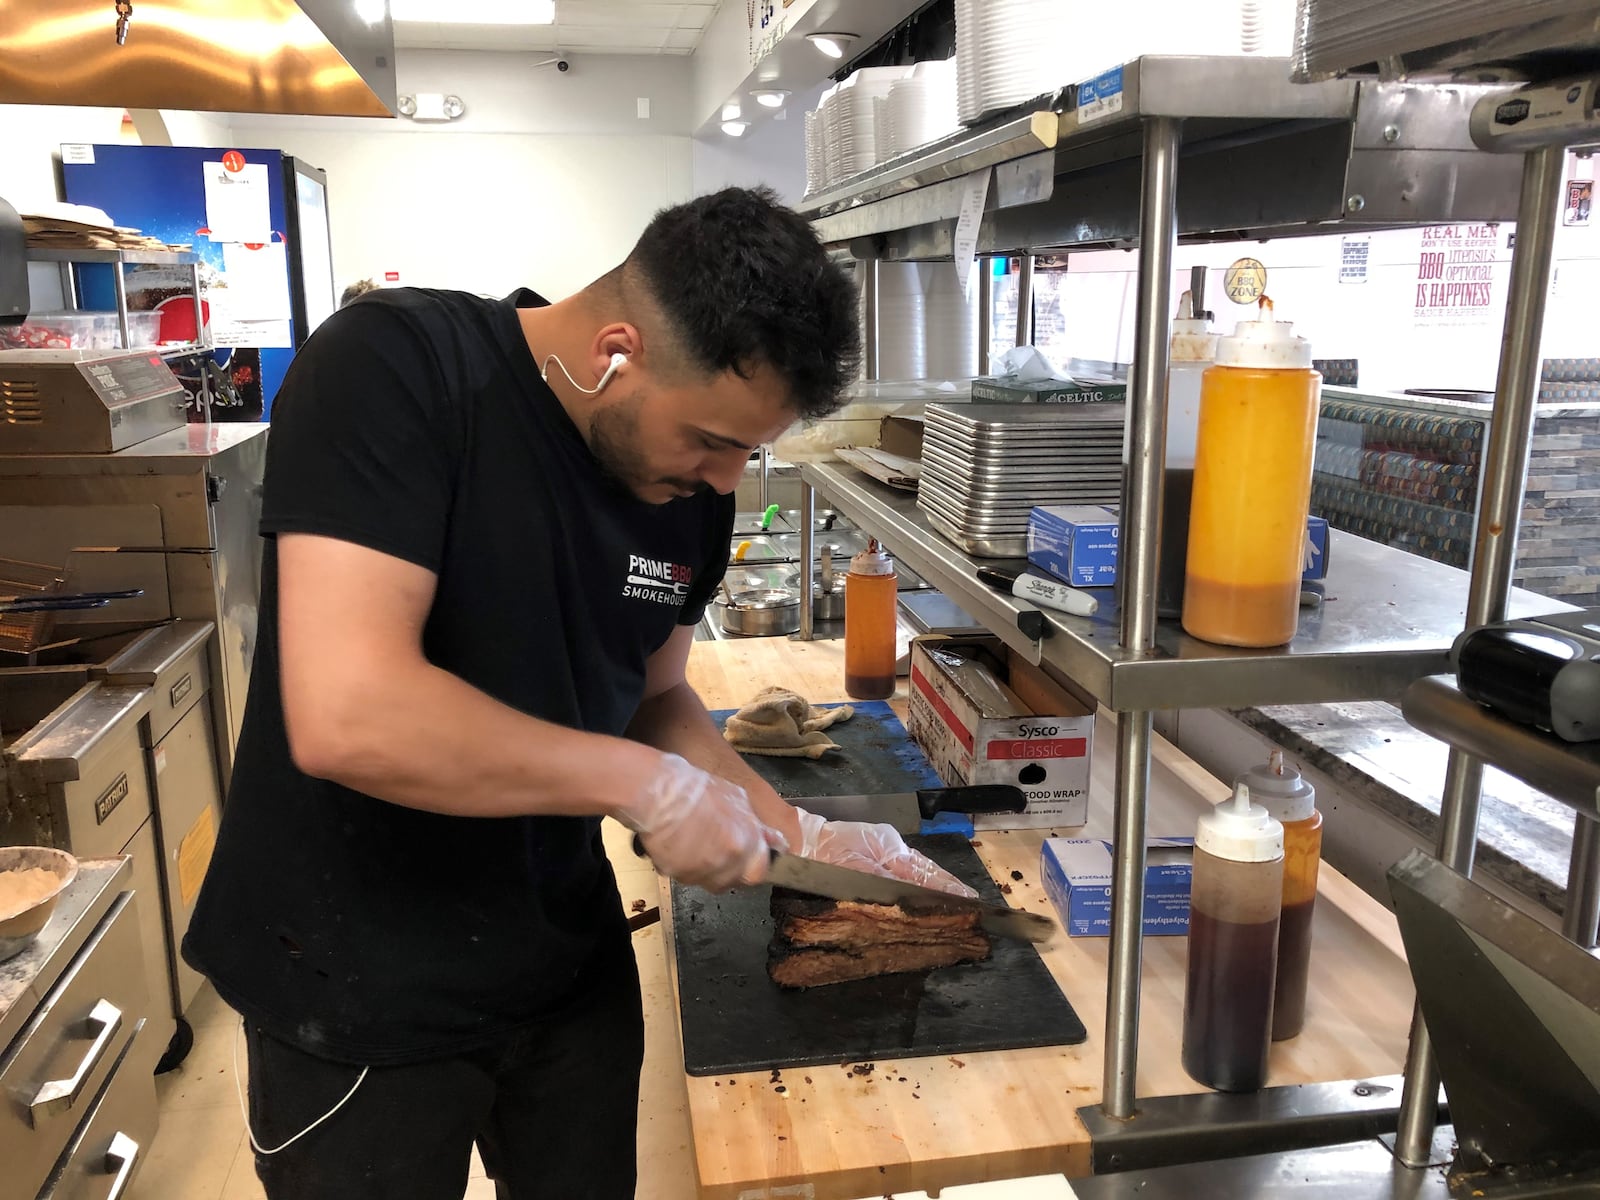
x,y
314,57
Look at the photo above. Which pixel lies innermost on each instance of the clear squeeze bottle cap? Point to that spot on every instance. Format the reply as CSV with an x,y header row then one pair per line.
x,y
1264,343
1192,339
1281,789
874,560
1240,831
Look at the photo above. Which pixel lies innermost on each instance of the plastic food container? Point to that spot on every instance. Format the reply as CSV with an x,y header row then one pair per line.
x,y
62,331
144,329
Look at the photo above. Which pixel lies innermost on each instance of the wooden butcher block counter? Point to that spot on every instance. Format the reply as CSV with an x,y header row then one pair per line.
x,y
833,1133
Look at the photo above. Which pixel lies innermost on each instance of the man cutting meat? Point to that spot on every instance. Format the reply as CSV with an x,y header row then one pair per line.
x,y
491,528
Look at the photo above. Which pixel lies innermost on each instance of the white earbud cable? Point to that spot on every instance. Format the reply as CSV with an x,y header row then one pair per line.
x,y
244,1110
545,375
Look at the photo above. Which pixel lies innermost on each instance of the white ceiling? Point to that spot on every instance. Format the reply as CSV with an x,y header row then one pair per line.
x,y
581,27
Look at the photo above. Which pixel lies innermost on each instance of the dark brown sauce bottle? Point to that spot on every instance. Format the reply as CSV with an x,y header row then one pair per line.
x,y
1235,904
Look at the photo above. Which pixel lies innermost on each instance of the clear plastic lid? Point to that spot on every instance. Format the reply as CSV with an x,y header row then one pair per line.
x,y
874,560
1240,831
1280,789
1264,343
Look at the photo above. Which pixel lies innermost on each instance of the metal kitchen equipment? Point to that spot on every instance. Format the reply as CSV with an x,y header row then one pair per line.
x,y
762,612
72,776
60,401
197,490
178,740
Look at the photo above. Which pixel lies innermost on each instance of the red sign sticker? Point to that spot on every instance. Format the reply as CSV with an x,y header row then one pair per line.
x,y
233,161
391,276
1037,748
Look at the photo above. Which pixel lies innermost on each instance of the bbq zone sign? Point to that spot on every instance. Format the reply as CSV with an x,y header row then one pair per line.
x,y
1456,275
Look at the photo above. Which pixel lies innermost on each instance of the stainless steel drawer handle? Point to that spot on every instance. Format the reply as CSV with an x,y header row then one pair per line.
x,y
59,1095
121,1158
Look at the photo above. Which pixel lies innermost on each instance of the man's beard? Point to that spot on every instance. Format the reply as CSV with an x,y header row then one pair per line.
x,y
616,445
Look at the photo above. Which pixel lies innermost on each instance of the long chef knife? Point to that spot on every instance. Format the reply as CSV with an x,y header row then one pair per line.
x,y
906,810
840,883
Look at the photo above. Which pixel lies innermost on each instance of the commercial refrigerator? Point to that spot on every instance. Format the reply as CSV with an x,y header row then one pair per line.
x,y
257,219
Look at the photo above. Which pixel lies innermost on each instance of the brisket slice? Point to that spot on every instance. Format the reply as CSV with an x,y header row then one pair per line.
x,y
825,941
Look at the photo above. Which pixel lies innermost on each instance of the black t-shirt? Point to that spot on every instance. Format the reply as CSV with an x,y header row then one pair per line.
x,y
415,423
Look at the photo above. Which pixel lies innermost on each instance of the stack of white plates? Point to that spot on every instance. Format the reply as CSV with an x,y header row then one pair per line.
x,y
984,467
1009,51
814,169
849,122
922,107
902,327
950,317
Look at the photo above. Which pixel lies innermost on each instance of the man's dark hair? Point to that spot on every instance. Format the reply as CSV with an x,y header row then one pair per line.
x,y
743,281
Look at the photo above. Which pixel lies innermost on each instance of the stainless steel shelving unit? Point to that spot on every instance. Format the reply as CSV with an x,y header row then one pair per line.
x,y
1212,149
66,259
1389,620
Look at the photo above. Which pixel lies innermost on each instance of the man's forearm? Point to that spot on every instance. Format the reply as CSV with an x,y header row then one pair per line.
x,y
424,738
676,721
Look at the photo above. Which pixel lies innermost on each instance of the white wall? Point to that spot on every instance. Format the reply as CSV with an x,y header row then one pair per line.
x,y
771,152
31,142
545,181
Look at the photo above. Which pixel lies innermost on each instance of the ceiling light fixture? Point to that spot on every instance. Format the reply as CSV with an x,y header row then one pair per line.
x,y
735,128
770,97
731,111
832,44
475,12
371,11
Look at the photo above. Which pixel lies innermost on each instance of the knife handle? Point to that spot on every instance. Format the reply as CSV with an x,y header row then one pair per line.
x,y
976,798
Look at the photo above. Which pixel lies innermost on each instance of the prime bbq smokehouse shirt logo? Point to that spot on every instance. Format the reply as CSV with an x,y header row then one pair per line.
x,y
657,580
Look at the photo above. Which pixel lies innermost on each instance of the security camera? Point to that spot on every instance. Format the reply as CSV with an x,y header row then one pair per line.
x,y
563,65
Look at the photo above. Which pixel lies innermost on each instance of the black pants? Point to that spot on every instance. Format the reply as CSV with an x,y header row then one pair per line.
x,y
553,1109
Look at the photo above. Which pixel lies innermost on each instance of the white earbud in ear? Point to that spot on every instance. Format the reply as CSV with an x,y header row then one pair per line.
x,y
617,360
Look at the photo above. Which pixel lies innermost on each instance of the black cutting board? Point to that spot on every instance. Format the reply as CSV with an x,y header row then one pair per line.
x,y
736,1019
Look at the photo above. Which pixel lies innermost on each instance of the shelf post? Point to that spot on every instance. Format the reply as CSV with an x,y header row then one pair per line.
x,y
1025,300
869,318
1581,922
119,286
808,537
1505,478
1139,536
985,285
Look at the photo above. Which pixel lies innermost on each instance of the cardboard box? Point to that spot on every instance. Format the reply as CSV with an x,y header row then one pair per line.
x,y
901,435
1048,391
1075,542
1046,755
1077,874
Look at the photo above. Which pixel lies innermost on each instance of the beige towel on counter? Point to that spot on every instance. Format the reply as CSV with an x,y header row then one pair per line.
x,y
782,724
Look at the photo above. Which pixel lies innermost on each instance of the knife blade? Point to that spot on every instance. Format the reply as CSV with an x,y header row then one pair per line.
x,y
906,810
840,883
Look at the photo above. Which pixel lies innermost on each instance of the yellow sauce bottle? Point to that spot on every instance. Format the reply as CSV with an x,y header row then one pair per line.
x,y
871,592
1252,486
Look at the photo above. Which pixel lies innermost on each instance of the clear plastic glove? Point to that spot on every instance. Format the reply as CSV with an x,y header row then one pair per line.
x,y
875,848
698,828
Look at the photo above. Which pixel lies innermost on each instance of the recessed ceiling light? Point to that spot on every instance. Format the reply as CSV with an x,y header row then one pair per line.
x,y
371,11
832,44
770,97
475,12
735,128
731,111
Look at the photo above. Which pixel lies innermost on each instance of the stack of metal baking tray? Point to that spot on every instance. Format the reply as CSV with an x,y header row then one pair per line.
x,y
984,467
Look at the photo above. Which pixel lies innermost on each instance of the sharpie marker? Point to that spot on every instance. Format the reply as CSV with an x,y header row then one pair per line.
x,y
1036,589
